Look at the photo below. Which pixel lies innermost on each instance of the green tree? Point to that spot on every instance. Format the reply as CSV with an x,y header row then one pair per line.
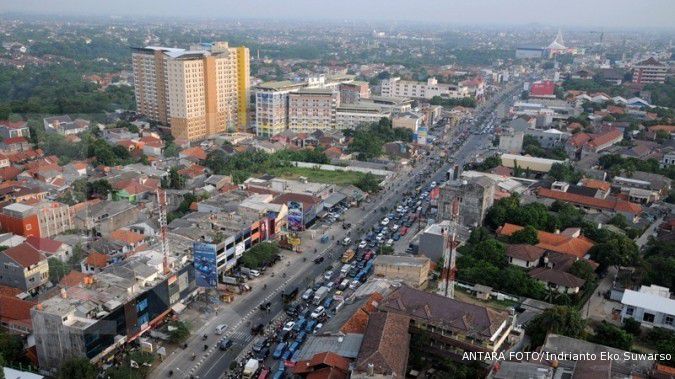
x,y
479,234
528,235
2,364
584,270
619,250
368,183
564,172
11,348
632,326
170,150
559,320
99,189
613,336
179,331
57,269
79,368
175,180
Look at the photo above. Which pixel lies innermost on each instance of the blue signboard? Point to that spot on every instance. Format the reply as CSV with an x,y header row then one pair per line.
x,y
295,216
206,270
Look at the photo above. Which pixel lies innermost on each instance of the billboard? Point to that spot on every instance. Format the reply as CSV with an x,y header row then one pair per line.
x,y
239,249
420,136
295,216
206,270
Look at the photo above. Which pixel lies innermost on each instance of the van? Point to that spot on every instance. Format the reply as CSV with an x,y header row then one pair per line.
x,y
307,294
346,241
220,329
255,273
345,269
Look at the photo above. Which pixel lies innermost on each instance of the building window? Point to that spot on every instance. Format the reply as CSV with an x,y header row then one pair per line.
x,y
668,320
629,311
648,317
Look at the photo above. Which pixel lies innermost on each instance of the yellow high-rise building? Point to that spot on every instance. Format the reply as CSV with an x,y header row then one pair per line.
x,y
200,92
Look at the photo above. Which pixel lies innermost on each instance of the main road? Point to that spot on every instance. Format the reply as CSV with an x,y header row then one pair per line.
x,y
293,271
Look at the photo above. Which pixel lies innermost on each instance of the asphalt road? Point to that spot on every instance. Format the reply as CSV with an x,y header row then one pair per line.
x,y
243,312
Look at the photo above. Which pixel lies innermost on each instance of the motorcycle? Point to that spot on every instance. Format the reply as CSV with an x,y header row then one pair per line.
x,y
206,347
193,356
204,337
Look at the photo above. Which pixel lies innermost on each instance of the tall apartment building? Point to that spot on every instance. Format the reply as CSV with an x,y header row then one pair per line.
x,y
271,106
200,92
650,71
395,87
312,108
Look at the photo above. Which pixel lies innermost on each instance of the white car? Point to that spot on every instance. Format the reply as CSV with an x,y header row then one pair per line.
x,y
221,328
390,242
354,284
328,275
318,312
363,245
289,326
433,184
394,228
385,221
317,327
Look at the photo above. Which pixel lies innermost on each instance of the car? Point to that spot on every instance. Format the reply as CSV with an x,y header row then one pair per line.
x,y
363,244
310,325
390,242
403,231
220,329
286,355
328,302
318,260
328,274
385,221
259,344
302,336
262,354
318,326
394,228
396,237
289,326
265,306
258,329
299,324
354,284
225,344
307,294
344,284
346,241
318,312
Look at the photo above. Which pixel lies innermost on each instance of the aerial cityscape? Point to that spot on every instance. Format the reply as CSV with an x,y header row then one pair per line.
x,y
310,189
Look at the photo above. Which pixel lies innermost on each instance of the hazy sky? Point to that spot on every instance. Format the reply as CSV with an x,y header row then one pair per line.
x,y
607,13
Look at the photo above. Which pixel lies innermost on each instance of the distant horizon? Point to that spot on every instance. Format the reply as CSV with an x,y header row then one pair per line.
x,y
650,15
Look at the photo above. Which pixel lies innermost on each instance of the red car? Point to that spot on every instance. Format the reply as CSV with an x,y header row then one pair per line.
x,y
403,231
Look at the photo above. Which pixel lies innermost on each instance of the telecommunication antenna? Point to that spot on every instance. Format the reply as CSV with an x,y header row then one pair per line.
x,y
163,239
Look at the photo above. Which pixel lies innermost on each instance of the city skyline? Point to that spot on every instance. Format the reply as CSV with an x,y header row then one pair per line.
x,y
577,13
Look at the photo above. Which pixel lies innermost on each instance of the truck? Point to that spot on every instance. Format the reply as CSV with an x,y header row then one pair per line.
x,y
320,294
289,295
347,256
250,368
229,280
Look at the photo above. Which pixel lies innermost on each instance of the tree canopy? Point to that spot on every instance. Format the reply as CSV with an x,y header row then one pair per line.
x,y
562,320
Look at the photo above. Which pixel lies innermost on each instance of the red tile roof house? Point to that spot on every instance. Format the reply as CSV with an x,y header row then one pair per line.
x,y
24,267
323,365
560,281
631,211
15,314
50,247
10,129
384,350
569,241
592,143
15,144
